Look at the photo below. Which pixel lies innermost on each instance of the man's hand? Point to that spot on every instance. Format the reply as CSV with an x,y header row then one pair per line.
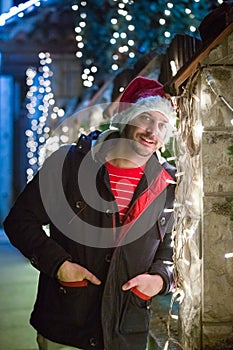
x,y
71,272
149,285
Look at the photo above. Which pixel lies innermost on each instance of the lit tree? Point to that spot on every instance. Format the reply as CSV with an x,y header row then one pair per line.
x,y
112,34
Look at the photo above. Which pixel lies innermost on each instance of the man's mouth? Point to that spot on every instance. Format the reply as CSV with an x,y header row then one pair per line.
x,y
146,140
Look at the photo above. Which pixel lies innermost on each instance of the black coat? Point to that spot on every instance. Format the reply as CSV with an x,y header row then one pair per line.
x,y
84,228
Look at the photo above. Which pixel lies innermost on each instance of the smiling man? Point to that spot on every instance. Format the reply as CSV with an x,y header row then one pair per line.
x,y
108,203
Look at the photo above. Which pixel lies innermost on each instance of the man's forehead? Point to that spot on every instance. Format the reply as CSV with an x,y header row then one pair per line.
x,y
155,115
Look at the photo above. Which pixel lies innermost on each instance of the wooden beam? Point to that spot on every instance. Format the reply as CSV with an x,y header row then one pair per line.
x,y
191,67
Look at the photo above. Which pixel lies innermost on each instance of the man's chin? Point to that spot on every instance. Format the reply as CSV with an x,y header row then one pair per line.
x,y
144,151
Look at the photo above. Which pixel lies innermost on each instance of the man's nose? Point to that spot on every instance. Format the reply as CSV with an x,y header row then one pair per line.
x,y
152,129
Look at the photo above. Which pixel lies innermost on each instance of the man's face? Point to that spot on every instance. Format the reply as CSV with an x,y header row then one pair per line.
x,y
148,131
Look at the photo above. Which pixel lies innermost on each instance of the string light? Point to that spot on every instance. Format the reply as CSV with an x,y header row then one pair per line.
x,y
173,67
162,21
41,111
18,11
213,86
121,39
167,34
192,29
122,44
189,194
88,74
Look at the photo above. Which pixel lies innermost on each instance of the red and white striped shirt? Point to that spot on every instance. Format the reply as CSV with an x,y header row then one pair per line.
x,y
123,184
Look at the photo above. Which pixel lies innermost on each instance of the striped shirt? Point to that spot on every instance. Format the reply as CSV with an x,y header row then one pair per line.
x,y
123,184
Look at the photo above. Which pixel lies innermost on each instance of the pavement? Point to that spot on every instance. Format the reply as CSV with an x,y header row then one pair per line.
x,y
18,285
17,294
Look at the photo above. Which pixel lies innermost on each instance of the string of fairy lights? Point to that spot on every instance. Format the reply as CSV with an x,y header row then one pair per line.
x,y
19,11
90,69
122,42
42,110
28,6
122,27
189,192
119,40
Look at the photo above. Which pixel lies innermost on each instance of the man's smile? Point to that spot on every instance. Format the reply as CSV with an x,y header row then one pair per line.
x,y
147,140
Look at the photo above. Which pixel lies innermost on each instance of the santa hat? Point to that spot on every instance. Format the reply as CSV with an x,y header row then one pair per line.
x,y
142,94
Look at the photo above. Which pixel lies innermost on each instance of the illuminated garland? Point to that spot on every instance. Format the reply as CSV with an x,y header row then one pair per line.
x,y
122,28
19,11
187,206
111,40
42,111
90,69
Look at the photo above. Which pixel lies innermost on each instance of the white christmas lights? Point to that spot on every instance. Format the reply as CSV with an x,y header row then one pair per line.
x,y
192,29
162,21
173,67
17,11
122,44
88,74
41,110
167,12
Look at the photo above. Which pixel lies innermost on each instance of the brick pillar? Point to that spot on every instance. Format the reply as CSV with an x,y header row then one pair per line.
x,y
217,234
6,144
204,231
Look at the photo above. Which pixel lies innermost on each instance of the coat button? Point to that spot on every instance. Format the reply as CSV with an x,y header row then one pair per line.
x,y
34,261
79,204
93,342
163,221
108,258
62,290
108,212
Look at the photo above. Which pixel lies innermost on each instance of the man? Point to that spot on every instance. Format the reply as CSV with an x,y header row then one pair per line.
x,y
108,203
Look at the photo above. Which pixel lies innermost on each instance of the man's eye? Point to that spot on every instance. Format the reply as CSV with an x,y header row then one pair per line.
x,y
145,118
162,126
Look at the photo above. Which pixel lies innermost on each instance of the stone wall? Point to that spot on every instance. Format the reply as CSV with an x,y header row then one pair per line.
x,y
204,231
217,271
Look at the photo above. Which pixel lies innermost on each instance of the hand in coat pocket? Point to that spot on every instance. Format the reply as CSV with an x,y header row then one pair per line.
x,y
145,284
72,274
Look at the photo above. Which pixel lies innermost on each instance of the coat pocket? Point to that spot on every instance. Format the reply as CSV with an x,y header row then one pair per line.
x,y
140,294
136,315
75,284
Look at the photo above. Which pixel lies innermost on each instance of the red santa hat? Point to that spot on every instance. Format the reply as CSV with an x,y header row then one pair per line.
x,y
141,87
142,94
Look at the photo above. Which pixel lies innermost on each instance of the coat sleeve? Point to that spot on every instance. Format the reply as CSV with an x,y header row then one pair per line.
x,y
24,227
